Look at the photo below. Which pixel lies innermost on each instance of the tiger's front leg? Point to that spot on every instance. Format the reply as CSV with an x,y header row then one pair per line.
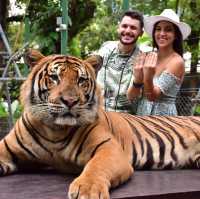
x,y
7,159
108,168
10,149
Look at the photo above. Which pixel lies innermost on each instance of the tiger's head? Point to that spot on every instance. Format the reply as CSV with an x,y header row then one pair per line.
x,y
61,90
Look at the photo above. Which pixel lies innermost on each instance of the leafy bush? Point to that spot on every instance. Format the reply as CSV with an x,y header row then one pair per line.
x,y
15,107
197,110
3,111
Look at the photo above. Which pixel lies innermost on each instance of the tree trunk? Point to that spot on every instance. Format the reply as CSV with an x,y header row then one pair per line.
x,y
193,40
3,15
176,5
3,12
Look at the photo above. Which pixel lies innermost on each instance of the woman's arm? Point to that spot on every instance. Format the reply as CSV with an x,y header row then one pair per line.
x,y
174,67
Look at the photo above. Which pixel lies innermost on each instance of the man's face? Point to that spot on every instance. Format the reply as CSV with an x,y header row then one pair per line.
x,y
129,30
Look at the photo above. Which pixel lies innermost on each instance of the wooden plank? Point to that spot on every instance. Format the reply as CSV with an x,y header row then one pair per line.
x,y
171,184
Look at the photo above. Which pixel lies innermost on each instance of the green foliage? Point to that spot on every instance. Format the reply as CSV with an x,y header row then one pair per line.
x,y
75,48
43,25
197,110
43,14
91,27
15,35
191,15
16,109
3,112
15,106
102,27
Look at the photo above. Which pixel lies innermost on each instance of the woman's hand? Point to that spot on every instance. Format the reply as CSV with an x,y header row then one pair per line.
x,y
134,91
149,67
138,68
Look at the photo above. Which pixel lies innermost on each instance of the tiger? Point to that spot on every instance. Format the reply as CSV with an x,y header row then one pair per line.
x,y
64,126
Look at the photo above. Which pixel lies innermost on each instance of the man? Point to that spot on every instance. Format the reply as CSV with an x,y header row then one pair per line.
x,y
115,76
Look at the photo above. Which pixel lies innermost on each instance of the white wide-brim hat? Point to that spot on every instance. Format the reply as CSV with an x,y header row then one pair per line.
x,y
166,15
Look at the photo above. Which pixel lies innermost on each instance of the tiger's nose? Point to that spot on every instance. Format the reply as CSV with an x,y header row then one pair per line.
x,y
69,101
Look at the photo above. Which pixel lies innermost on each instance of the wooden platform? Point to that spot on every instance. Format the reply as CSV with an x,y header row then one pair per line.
x,y
173,184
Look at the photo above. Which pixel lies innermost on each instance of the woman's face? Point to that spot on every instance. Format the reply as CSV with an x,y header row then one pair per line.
x,y
164,34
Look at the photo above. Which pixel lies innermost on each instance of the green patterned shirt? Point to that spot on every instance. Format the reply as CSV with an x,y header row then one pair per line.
x,y
116,76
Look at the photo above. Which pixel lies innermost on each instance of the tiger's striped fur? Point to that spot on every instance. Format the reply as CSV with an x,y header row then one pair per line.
x,y
64,126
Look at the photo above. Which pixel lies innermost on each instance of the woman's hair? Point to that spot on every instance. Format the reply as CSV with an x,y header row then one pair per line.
x,y
178,41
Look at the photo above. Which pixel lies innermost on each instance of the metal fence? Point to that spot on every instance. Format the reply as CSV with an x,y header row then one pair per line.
x,y
185,105
4,127
187,101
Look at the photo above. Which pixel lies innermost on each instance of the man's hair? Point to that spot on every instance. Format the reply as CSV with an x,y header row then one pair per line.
x,y
134,15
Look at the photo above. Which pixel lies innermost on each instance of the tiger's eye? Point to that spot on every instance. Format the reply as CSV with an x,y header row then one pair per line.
x,y
54,77
81,80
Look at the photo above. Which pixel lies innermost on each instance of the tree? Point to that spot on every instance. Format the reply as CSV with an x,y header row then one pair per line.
x,y
94,22
193,17
42,15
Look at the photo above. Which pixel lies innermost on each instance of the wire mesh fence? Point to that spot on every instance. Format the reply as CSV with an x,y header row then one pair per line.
x,y
4,127
184,105
187,101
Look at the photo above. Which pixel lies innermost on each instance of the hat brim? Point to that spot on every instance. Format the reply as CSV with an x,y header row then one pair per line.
x,y
149,23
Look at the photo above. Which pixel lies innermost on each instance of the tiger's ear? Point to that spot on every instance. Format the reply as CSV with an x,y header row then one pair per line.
x,y
96,61
31,57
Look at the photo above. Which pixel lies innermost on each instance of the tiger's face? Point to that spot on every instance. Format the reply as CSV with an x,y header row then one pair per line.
x,y
61,90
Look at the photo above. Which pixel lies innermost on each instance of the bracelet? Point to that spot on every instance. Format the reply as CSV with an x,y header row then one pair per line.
x,y
138,85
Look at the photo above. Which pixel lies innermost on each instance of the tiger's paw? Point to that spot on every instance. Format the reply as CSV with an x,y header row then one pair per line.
x,y
7,168
88,188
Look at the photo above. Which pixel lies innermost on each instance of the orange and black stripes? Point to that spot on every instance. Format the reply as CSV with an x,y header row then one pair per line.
x,y
165,136
12,153
165,122
21,144
83,139
71,133
34,134
165,132
99,145
136,132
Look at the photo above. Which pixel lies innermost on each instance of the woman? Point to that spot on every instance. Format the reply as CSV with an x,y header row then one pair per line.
x,y
158,75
